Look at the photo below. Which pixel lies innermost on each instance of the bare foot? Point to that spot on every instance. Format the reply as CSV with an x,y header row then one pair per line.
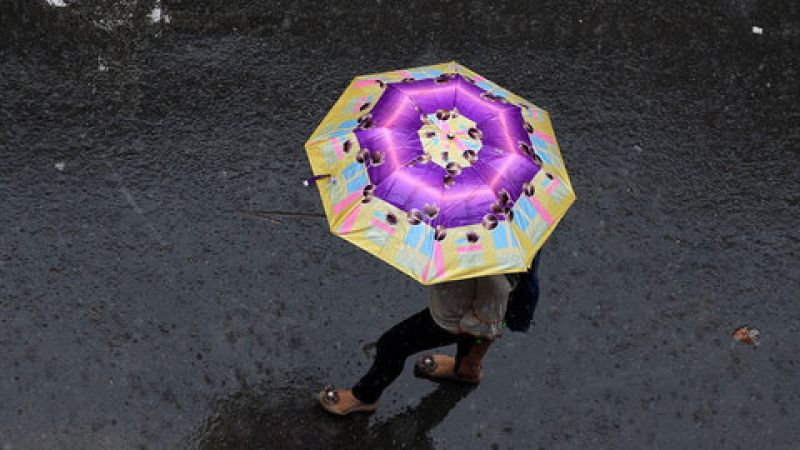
x,y
342,401
443,366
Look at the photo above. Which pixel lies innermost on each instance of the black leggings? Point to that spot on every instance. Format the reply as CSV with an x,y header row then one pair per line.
x,y
418,332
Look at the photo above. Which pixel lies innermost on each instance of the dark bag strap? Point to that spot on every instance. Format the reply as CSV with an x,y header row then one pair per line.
x,y
523,299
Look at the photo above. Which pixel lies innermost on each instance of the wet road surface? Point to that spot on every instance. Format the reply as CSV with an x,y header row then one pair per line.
x,y
138,309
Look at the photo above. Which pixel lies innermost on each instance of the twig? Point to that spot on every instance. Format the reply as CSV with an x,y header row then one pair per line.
x,y
261,214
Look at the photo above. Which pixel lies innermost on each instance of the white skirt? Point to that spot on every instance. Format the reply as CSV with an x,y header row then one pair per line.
x,y
475,306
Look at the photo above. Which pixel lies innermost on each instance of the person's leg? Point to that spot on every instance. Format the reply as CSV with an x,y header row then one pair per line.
x,y
465,367
469,355
464,343
418,332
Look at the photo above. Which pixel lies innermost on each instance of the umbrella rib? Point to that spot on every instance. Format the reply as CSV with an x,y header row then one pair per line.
x,y
410,135
399,89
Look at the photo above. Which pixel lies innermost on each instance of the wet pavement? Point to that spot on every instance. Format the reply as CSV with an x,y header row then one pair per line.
x,y
138,309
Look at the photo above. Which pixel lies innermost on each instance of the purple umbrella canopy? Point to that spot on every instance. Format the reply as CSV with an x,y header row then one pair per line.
x,y
445,150
400,169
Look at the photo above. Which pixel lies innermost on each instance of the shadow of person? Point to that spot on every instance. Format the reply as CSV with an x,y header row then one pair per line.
x,y
288,418
411,427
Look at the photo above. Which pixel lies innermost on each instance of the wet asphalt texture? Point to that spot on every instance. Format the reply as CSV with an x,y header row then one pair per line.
x,y
140,309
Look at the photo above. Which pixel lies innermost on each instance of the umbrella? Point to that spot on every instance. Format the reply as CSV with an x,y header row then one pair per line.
x,y
440,173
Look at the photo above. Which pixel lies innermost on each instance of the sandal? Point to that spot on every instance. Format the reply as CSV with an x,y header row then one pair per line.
x,y
440,367
329,399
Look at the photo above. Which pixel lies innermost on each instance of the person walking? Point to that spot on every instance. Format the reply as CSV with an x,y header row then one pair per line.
x,y
443,187
470,313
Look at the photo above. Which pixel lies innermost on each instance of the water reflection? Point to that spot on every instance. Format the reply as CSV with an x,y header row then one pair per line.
x,y
291,418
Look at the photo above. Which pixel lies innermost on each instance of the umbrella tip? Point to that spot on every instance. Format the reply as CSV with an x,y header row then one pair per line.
x,y
315,178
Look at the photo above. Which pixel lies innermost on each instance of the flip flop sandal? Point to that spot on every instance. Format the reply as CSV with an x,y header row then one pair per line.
x,y
427,367
329,398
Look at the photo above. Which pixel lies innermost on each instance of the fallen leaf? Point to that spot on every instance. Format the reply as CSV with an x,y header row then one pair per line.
x,y
746,335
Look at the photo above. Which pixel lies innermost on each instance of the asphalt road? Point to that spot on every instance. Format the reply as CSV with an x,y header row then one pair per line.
x,y
138,309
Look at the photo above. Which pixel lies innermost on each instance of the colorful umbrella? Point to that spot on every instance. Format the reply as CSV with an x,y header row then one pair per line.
x,y
440,173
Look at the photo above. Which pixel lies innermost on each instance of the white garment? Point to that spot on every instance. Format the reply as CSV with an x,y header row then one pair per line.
x,y
475,306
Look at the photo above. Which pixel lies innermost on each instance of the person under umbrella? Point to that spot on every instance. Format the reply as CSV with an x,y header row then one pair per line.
x,y
457,183
468,313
